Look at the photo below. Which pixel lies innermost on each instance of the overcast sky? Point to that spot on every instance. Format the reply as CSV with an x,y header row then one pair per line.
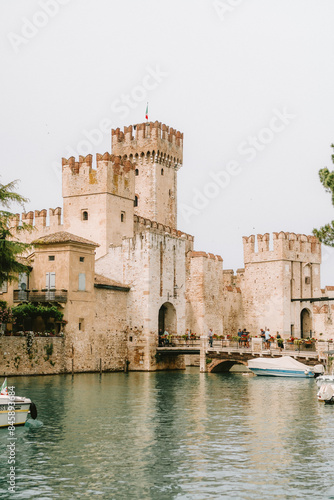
x,y
249,83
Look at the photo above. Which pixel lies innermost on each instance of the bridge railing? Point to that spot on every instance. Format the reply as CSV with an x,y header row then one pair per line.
x,y
256,344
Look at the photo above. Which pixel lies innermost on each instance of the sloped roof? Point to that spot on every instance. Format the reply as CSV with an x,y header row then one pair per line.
x,y
103,282
63,237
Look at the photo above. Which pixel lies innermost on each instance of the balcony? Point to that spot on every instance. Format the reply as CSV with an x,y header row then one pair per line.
x,y
40,296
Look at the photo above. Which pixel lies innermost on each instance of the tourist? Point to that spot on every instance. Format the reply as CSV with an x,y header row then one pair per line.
x,y
166,337
210,336
280,343
239,336
245,337
267,338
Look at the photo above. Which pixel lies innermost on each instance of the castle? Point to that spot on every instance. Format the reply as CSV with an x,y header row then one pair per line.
x,y
116,264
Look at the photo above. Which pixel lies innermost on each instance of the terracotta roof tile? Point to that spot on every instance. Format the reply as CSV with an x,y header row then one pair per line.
x,y
102,280
63,237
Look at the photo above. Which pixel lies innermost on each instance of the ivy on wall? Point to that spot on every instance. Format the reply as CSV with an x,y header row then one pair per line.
x,y
24,315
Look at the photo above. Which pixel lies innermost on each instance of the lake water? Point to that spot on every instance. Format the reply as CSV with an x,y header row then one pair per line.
x,y
172,435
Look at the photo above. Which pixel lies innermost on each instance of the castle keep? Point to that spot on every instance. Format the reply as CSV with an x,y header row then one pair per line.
x,y
116,264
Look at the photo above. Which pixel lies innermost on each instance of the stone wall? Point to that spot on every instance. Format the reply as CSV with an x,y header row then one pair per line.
x,y
44,356
323,315
204,293
153,264
233,317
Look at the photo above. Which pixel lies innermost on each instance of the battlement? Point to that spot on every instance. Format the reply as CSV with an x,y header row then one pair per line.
x,y
231,280
111,175
40,220
142,224
154,141
87,161
286,246
205,255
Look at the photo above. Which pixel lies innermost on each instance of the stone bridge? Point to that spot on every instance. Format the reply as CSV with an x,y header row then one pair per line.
x,y
223,355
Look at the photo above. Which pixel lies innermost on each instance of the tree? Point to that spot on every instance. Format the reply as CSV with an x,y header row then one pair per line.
x,y
10,247
325,234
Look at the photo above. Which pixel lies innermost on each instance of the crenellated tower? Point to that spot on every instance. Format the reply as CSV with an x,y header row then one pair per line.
x,y
99,203
157,153
280,282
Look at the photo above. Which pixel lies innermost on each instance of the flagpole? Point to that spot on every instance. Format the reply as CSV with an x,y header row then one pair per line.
x,y
146,114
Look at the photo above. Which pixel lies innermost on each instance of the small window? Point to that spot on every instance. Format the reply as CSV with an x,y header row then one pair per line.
x,y
122,216
82,259
307,280
136,201
162,171
81,324
84,215
82,282
4,287
51,257
136,171
170,193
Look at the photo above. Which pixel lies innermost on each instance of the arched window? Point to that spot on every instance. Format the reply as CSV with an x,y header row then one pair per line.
x,y
84,215
162,171
136,171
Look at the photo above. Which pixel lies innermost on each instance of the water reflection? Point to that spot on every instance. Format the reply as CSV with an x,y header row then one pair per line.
x,y
173,435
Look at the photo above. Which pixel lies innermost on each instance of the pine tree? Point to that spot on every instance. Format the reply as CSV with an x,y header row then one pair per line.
x,y
10,247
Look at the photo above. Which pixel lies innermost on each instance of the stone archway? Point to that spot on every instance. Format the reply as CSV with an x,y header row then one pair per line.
x,y
223,366
305,323
167,318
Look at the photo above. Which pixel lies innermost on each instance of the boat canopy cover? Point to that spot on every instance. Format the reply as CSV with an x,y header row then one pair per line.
x,y
283,363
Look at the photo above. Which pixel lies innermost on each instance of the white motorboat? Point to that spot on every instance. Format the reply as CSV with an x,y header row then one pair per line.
x,y
285,366
326,388
325,379
14,410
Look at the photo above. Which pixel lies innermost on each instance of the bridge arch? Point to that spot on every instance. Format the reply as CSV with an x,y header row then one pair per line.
x,y
223,365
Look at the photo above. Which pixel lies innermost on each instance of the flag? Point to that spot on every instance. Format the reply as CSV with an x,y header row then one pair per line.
x,y
4,390
146,114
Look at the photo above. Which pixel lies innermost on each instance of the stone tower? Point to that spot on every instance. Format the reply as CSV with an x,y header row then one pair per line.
x,y
156,151
279,283
99,203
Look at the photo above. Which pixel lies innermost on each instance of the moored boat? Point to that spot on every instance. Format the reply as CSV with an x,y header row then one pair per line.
x,y
285,366
326,388
14,410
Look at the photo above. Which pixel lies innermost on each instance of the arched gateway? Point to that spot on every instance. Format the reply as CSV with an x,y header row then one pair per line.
x,y
305,323
167,318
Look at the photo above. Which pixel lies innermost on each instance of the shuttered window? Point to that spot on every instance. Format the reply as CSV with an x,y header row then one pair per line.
x,y
50,285
82,282
50,282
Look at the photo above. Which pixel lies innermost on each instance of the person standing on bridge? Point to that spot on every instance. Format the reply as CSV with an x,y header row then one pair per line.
x,y
239,336
166,337
210,337
267,338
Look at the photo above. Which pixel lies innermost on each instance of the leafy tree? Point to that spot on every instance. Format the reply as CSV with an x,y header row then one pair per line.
x,y
10,247
326,233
